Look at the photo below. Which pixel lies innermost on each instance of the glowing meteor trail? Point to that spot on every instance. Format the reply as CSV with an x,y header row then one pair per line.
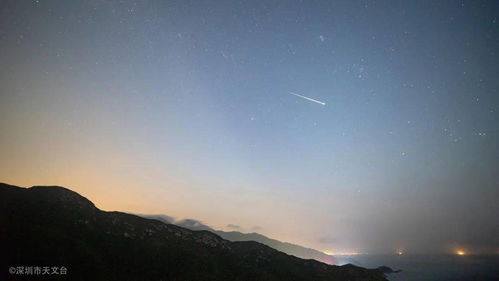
x,y
307,98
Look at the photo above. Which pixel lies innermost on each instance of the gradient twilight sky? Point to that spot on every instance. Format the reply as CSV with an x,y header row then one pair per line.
x,y
183,108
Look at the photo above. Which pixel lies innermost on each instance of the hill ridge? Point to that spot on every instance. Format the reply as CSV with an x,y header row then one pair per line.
x,y
99,245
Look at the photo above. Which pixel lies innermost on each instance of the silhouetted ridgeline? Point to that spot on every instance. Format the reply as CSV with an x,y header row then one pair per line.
x,y
53,226
288,248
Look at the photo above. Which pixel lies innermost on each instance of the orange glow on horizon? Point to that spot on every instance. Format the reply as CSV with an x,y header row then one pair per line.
x,y
460,252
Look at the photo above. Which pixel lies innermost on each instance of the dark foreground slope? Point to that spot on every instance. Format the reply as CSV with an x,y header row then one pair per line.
x,y
53,226
288,248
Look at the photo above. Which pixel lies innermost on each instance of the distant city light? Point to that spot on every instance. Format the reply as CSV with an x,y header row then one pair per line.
x,y
460,252
331,253
400,252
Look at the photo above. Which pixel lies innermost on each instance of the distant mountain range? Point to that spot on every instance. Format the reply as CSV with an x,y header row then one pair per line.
x,y
50,226
288,248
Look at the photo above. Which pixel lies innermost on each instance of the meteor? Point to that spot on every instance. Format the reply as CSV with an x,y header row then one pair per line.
x,y
307,98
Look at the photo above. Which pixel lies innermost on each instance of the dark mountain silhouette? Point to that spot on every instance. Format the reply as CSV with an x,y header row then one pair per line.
x,y
288,248
194,225
53,226
163,218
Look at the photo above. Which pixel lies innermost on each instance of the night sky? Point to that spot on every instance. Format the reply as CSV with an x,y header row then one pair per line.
x,y
184,108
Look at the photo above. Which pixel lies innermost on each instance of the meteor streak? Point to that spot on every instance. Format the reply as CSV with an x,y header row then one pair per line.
x,y
307,98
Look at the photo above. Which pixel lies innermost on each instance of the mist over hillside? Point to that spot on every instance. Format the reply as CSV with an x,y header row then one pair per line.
x,y
51,225
288,248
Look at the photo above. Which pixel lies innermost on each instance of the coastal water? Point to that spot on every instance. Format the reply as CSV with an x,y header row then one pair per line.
x,y
433,267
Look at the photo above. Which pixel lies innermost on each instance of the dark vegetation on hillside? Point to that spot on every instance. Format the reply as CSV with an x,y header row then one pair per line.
x,y
53,226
